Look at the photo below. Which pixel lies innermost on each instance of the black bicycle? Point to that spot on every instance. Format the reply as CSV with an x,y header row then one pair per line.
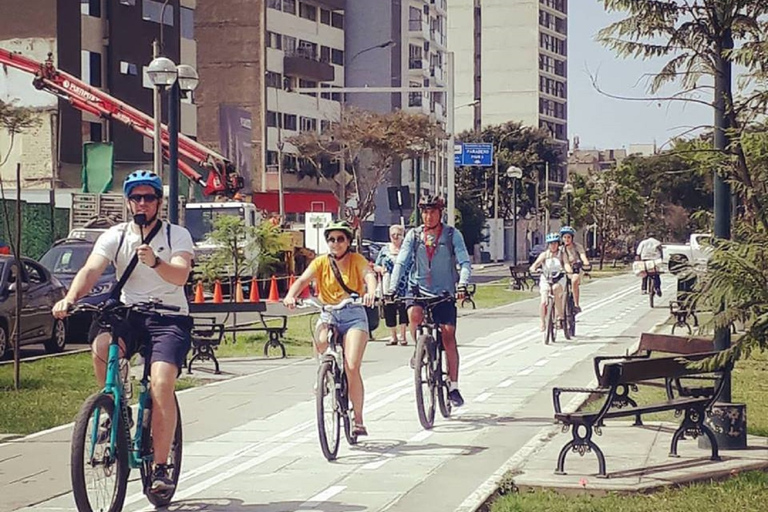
x,y
103,451
430,367
334,408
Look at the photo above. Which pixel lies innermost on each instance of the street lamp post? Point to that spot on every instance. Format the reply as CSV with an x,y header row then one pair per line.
x,y
163,73
515,173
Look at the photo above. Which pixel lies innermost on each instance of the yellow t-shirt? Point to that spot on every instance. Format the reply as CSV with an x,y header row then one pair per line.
x,y
328,287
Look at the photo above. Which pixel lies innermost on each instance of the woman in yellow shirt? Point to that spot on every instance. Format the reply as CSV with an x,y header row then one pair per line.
x,y
351,321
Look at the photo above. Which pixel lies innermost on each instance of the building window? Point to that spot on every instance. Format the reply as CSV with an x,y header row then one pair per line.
x,y
337,20
325,16
308,84
187,23
308,12
92,132
307,124
325,125
275,4
414,57
127,68
414,19
307,49
273,119
337,56
91,8
151,11
274,80
336,96
91,67
289,6
415,98
289,44
271,161
274,40
325,54
290,122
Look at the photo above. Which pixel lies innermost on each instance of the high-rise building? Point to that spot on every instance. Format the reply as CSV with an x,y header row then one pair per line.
x,y
512,55
107,44
393,43
252,57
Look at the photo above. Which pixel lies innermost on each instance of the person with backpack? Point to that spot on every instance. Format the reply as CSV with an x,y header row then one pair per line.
x,y
432,251
153,259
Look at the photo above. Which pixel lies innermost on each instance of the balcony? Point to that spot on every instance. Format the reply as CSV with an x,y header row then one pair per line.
x,y
440,5
419,28
304,63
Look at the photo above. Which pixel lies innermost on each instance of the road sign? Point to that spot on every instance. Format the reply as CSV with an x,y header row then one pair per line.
x,y
474,154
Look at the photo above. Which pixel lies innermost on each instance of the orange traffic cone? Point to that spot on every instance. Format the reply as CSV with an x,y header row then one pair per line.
x,y
273,295
199,298
304,293
218,297
291,280
254,295
239,292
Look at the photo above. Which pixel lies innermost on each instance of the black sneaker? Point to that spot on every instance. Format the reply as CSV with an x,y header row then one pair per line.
x,y
658,292
576,310
106,427
455,398
161,483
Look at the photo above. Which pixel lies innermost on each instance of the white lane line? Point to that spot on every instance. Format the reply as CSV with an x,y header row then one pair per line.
x,y
541,362
324,496
378,463
525,372
483,397
506,383
421,436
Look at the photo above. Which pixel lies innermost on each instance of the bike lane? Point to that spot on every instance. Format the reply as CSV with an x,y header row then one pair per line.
x,y
251,442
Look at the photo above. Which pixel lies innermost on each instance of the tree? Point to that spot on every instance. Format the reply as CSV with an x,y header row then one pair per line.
x,y
530,149
366,144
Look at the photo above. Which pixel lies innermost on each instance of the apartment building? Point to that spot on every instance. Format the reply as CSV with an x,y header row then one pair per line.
x,y
393,43
513,57
252,57
106,43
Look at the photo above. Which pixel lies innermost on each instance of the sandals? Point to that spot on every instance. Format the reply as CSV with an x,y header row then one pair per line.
x,y
392,342
359,430
404,342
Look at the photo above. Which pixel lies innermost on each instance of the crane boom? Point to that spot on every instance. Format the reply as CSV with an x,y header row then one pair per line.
x,y
222,179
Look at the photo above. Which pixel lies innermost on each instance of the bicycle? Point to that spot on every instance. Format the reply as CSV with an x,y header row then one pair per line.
x,y
430,366
332,386
101,441
569,307
552,277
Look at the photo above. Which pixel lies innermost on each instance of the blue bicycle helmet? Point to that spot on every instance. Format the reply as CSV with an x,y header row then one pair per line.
x,y
137,178
567,230
553,237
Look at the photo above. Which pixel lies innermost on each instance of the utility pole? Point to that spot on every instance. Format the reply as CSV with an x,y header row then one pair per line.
x,y
157,111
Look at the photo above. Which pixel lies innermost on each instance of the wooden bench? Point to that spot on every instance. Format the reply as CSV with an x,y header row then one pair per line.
x,y
275,333
521,278
617,376
207,334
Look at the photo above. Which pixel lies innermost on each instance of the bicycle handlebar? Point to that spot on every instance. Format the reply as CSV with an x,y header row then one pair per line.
x,y
116,307
349,301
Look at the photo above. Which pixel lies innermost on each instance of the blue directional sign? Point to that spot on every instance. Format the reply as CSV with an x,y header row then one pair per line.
x,y
474,154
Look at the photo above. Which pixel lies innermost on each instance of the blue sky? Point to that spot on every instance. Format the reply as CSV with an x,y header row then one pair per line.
x,y
603,122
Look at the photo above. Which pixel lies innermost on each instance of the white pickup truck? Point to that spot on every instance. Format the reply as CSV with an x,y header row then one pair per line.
x,y
696,251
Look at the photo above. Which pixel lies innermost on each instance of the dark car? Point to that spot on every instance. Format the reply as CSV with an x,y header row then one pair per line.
x,y
370,249
63,260
40,291
535,251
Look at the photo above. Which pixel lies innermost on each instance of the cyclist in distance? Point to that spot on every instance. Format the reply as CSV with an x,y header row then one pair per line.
x,y
552,258
577,257
163,267
648,250
351,321
432,251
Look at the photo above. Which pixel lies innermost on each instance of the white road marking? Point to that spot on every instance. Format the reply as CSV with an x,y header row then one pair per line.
x,y
421,436
506,383
483,397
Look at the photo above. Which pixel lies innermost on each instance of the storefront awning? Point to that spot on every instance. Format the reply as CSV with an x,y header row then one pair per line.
x,y
297,202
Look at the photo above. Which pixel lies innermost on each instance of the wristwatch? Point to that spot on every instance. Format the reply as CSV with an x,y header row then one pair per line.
x,y
156,263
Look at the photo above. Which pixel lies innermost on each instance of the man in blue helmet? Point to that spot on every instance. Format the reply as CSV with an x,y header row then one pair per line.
x,y
577,257
164,263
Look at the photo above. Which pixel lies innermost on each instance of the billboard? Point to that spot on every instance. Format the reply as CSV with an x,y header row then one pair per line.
x,y
235,136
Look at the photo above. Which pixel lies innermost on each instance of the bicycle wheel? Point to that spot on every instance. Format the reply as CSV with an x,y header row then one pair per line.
x,y
651,291
174,460
347,414
99,471
424,381
551,329
569,329
328,414
440,366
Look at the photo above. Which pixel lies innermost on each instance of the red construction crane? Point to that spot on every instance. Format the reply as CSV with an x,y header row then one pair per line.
x,y
222,179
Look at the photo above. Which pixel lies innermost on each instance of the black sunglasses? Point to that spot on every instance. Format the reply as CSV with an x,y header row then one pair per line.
x,y
333,240
148,198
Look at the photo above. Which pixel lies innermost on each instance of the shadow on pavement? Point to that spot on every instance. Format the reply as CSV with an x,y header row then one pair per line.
x,y
235,505
372,451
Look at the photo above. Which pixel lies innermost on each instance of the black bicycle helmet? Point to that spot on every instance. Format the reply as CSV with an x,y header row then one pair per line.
x,y
431,201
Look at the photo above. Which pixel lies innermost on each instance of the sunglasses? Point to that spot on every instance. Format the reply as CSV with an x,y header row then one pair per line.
x,y
147,198
333,240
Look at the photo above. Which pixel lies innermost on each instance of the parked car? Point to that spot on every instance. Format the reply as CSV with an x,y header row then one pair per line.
x,y
63,260
40,291
370,249
696,252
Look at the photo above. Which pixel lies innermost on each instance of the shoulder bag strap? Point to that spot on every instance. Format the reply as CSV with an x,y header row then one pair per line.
x,y
337,273
115,292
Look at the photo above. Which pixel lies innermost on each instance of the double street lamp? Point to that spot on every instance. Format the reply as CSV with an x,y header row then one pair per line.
x,y
164,74
515,173
568,191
